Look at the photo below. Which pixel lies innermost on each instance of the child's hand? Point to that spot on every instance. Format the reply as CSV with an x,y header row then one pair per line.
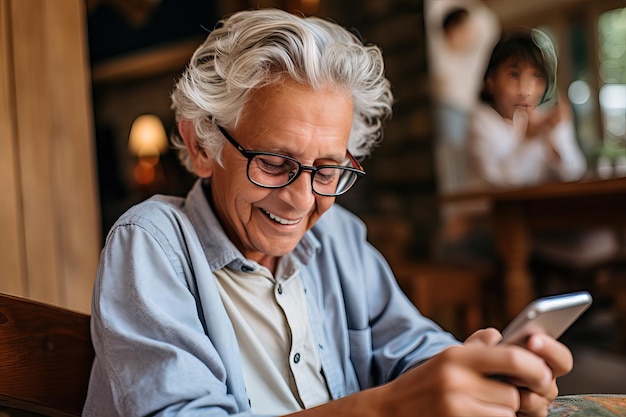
x,y
541,122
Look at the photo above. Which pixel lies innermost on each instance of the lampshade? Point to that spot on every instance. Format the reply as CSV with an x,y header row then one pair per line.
x,y
147,136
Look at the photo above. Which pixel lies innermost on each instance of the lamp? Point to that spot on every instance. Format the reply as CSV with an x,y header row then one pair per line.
x,y
147,141
147,136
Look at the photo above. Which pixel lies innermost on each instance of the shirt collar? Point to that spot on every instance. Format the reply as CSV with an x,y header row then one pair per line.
x,y
218,249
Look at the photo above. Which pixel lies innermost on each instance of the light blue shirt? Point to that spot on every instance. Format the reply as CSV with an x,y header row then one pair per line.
x,y
164,343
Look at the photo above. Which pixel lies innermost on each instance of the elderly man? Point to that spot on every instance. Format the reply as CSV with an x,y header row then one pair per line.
x,y
255,295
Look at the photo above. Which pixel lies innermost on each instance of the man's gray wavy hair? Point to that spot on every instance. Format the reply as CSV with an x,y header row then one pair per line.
x,y
252,49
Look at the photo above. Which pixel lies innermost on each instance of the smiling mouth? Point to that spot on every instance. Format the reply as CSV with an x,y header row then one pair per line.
x,y
279,219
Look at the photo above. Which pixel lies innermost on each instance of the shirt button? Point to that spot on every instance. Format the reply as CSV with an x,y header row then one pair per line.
x,y
296,358
280,289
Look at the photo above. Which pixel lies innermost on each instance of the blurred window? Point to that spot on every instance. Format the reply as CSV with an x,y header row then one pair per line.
x,y
612,73
582,91
598,93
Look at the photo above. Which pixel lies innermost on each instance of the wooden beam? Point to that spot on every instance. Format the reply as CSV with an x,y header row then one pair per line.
x,y
151,62
13,278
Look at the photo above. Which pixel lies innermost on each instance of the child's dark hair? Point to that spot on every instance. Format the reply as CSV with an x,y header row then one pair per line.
x,y
525,45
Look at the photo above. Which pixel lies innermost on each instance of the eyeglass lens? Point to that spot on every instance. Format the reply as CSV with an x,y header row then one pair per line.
x,y
276,171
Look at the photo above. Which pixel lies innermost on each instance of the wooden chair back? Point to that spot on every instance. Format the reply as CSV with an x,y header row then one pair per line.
x,y
45,357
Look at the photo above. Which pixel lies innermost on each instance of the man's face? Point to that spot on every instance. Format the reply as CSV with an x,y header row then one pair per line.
x,y
312,126
516,85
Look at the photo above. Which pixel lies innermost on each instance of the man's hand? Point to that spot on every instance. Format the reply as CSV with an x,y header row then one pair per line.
x,y
480,378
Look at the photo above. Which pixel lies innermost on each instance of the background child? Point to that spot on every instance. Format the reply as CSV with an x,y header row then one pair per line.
x,y
521,134
460,36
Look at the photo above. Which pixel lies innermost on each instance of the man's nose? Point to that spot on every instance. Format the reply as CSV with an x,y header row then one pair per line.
x,y
300,192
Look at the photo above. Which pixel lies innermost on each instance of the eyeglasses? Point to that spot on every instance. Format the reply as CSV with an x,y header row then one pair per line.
x,y
272,170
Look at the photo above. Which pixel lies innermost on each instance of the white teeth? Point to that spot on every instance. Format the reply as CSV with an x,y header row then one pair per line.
x,y
280,219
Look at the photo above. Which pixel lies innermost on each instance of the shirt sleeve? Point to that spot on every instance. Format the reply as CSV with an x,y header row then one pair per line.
x,y
151,346
572,164
364,306
402,337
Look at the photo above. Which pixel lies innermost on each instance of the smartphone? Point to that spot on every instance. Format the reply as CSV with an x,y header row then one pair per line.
x,y
550,315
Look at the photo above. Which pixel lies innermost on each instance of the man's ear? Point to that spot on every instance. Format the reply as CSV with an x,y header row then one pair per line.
x,y
202,163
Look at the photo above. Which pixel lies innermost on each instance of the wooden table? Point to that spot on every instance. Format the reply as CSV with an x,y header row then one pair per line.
x,y
519,211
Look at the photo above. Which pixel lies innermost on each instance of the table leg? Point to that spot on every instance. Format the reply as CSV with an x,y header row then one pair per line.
x,y
513,240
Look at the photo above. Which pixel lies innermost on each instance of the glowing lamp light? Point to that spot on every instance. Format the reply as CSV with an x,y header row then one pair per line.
x,y
147,140
147,136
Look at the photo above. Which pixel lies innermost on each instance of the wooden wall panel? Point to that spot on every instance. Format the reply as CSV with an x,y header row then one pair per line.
x,y
55,152
34,131
12,277
77,213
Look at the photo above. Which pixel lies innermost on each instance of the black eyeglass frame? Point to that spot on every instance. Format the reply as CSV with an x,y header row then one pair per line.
x,y
249,155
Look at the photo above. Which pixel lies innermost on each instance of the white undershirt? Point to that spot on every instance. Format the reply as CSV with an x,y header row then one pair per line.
x,y
281,365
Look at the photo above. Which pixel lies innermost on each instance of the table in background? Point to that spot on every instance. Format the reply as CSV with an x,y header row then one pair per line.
x,y
516,212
